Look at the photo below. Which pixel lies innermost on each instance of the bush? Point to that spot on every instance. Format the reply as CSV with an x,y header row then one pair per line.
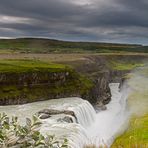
x,y
14,135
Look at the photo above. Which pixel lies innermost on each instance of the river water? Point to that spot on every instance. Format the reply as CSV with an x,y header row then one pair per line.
x,y
91,128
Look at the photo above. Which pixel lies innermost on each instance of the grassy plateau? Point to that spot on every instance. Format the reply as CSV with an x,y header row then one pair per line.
x,y
8,66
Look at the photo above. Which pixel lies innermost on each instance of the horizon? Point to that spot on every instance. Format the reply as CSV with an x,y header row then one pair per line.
x,y
74,41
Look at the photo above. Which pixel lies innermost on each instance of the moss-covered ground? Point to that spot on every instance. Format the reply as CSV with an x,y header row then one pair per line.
x,y
136,136
121,65
19,66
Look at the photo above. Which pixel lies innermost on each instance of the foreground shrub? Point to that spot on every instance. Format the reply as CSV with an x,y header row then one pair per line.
x,y
14,135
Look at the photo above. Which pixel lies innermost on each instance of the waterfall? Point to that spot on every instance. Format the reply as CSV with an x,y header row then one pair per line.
x,y
109,122
90,127
85,113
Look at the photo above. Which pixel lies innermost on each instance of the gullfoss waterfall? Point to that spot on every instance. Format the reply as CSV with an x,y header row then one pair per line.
x,y
87,127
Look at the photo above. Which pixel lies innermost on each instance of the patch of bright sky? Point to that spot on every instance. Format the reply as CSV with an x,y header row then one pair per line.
x,y
12,19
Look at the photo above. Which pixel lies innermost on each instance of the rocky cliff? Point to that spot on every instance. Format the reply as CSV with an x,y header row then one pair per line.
x,y
89,79
28,81
20,88
103,70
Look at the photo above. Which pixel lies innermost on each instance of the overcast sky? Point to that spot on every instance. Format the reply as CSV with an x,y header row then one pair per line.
x,y
123,21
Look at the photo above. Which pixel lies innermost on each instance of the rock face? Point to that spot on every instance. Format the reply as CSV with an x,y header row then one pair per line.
x,y
33,78
20,88
97,68
55,112
100,106
47,113
67,119
101,91
26,88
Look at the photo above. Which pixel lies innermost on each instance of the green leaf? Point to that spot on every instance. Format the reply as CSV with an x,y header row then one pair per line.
x,y
28,122
6,125
35,119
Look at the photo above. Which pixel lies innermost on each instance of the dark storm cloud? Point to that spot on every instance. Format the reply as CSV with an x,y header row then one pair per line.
x,y
94,20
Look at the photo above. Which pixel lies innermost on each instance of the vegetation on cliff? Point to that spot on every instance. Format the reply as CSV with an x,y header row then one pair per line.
x,y
24,81
119,65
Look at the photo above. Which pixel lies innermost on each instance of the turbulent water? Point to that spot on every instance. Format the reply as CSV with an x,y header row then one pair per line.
x,y
92,128
110,122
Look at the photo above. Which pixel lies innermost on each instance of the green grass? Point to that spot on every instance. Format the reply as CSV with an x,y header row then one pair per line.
x,y
135,136
36,45
6,51
21,66
118,65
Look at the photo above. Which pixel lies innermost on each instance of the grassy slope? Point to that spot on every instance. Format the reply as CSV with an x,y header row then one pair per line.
x,y
120,65
136,135
55,46
19,66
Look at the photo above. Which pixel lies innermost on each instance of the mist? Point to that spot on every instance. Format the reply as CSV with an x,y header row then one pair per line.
x,y
130,101
138,99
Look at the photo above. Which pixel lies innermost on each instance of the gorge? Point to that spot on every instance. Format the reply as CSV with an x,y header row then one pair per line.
x,y
90,106
73,73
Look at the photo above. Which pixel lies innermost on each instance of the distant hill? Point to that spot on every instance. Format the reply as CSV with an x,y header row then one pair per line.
x,y
39,45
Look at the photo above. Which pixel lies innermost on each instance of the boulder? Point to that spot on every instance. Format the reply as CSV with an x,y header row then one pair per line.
x,y
44,116
46,113
67,119
100,106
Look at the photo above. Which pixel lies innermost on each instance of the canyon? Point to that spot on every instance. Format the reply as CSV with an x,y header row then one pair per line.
x,y
79,100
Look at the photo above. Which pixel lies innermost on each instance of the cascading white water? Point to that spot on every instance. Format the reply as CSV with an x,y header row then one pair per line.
x,y
110,121
93,128
74,132
85,113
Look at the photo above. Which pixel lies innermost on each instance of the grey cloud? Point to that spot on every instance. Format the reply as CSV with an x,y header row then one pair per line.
x,y
110,20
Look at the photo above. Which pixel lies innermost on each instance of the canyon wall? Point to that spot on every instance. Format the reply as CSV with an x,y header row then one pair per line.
x,y
89,79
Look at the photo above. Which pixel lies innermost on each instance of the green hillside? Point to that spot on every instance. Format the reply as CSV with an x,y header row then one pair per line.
x,y
36,45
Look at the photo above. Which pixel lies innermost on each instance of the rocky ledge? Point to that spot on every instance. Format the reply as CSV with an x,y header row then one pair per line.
x,y
47,113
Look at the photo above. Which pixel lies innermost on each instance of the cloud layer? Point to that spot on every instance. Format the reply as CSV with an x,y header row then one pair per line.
x,y
85,20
